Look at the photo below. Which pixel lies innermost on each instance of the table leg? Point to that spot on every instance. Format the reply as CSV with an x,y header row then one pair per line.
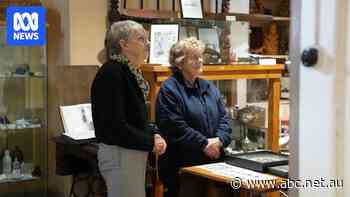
x,y
274,111
211,189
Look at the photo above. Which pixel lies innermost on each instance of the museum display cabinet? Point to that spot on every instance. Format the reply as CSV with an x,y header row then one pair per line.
x,y
250,88
23,119
156,74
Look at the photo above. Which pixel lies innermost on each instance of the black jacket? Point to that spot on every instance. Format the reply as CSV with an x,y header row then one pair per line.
x,y
118,108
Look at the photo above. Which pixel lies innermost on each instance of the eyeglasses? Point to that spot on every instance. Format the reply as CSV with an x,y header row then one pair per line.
x,y
195,60
142,39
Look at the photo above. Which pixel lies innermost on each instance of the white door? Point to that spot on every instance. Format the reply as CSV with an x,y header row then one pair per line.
x,y
320,132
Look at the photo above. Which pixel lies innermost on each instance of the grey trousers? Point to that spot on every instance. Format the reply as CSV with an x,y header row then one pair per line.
x,y
123,170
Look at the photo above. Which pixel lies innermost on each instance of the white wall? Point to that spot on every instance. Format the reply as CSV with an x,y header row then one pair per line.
x,y
58,37
87,30
80,35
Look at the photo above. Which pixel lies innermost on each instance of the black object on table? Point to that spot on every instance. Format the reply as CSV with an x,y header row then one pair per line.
x,y
257,160
79,159
281,171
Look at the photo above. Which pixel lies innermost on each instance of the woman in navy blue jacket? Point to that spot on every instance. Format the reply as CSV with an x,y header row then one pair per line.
x,y
190,114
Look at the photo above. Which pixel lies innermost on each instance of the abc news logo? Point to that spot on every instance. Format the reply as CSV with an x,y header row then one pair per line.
x,y
29,29
26,26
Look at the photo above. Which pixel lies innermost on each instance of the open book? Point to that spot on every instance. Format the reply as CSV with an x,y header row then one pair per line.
x,y
77,121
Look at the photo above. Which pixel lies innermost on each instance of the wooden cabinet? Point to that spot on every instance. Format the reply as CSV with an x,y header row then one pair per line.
x,y
155,74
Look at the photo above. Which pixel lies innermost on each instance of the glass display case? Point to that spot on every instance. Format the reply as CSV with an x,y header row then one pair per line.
x,y
250,90
23,119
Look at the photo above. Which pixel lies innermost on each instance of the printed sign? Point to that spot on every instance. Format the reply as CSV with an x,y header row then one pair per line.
x,y
26,25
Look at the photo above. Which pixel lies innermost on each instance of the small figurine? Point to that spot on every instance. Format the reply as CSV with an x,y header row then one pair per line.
x,y
225,45
271,40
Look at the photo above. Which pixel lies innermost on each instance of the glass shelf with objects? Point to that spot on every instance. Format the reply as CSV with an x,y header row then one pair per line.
x,y
242,80
226,42
23,119
247,40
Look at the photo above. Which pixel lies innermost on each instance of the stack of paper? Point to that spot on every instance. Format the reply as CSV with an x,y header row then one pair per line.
x,y
223,169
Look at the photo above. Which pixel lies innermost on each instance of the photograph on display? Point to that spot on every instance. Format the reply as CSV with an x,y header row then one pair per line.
x,y
210,37
77,121
192,31
191,9
163,36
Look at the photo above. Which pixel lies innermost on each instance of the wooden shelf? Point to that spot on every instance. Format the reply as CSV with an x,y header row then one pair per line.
x,y
218,67
149,15
221,72
145,14
270,56
280,18
247,17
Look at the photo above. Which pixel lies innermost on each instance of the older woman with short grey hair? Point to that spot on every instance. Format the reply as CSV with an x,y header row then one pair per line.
x,y
119,112
191,116
184,48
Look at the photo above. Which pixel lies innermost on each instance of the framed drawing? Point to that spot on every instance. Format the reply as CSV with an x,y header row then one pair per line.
x,y
163,36
77,121
192,31
210,37
191,9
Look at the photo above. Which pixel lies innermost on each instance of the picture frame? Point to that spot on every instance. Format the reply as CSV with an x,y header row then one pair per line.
x,y
192,9
182,33
163,37
77,121
192,31
210,37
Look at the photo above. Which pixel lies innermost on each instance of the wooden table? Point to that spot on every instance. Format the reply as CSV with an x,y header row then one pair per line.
x,y
244,189
79,160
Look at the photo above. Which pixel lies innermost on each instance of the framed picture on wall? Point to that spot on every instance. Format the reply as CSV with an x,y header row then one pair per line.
x,y
163,36
191,9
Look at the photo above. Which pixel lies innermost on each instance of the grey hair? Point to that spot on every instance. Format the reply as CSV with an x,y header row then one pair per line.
x,y
180,50
118,31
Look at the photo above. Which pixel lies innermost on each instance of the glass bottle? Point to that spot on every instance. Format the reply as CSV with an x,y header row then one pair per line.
x,y
16,168
6,163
